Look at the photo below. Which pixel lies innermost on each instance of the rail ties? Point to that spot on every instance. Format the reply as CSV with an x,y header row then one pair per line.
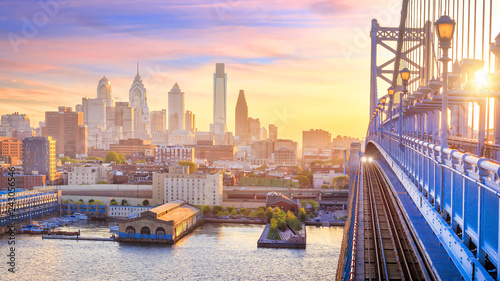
x,y
390,252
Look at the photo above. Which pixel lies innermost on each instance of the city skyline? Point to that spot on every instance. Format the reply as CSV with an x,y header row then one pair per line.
x,y
273,62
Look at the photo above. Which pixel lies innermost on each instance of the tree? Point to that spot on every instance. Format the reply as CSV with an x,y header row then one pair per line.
x,y
112,156
217,209
122,157
91,202
93,158
145,202
269,213
98,202
252,214
230,209
324,186
206,210
341,182
139,161
65,159
124,202
263,167
302,214
113,202
260,213
102,182
303,181
192,166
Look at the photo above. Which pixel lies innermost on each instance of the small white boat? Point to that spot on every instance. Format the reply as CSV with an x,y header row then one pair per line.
x,y
79,216
31,228
113,228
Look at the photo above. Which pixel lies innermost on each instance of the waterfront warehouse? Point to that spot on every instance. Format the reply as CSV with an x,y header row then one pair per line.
x,y
164,224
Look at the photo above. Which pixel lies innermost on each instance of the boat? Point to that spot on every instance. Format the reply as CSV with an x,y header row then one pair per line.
x,y
79,216
113,228
31,229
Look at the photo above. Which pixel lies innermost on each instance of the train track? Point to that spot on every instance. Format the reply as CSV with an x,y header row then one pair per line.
x,y
390,249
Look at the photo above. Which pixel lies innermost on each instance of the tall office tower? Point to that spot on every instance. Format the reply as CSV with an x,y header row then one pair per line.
x,y
94,116
175,109
39,156
190,122
273,132
138,98
254,128
263,133
104,91
241,117
220,96
67,129
122,115
316,139
15,125
159,121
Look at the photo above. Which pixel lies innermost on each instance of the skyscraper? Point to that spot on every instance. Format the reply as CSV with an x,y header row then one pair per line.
x,y
241,118
159,121
190,122
40,156
220,96
138,98
94,116
254,128
104,91
67,129
273,132
175,109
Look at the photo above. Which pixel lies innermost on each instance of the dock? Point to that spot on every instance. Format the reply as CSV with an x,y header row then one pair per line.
x,y
76,238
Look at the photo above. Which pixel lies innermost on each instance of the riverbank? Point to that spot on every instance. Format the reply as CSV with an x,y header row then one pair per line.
x,y
264,221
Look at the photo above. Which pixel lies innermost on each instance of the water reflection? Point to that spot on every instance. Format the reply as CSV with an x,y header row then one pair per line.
x,y
211,252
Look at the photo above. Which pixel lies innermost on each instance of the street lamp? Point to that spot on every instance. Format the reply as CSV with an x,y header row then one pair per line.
x,y
445,27
405,76
390,91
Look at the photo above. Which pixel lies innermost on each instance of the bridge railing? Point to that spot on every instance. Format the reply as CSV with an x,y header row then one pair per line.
x,y
463,188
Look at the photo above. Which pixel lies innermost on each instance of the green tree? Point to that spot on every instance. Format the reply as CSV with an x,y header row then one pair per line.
x,y
113,202
233,212
145,202
252,214
260,213
122,157
230,209
324,186
93,158
98,202
302,214
65,159
303,181
340,182
91,202
269,213
192,166
245,211
217,209
273,230
206,209
112,156
124,202
102,182
139,161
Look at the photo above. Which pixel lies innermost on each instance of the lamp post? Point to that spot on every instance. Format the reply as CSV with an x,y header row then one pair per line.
x,y
405,76
445,26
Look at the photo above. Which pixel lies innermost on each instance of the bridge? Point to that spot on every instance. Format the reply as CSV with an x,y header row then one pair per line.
x,y
425,199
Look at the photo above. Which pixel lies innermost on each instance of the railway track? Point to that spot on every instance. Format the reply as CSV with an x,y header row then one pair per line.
x,y
390,249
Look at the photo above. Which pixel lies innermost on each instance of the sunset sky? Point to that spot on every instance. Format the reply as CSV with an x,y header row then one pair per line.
x,y
302,64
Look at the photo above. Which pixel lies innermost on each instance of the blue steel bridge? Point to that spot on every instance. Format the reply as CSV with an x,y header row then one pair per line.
x,y
424,202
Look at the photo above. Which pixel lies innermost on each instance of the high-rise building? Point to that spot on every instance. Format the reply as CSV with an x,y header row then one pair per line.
x,y
104,91
263,133
316,139
254,128
138,98
16,125
196,189
175,109
39,156
67,129
220,100
273,132
11,150
122,115
159,133
159,121
190,122
94,116
241,117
